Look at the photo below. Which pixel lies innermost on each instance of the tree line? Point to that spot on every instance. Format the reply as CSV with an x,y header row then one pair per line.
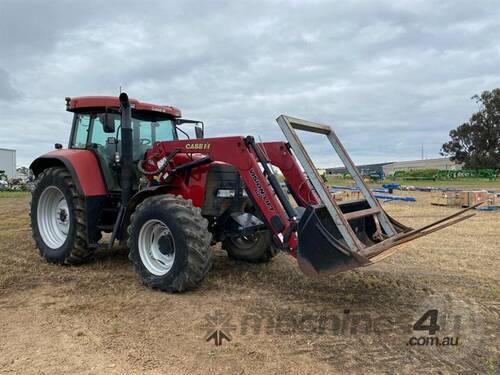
x,y
476,143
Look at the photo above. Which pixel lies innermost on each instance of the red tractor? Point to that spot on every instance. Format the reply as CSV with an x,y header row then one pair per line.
x,y
127,173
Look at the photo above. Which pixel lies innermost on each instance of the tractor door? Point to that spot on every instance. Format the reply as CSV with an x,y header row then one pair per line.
x,y
89,133
105,143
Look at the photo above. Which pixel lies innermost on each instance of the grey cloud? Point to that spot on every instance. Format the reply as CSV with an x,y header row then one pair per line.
x,y
7,91
388,75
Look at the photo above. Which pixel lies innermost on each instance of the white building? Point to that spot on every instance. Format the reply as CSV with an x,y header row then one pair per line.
x,y
8,162
440,163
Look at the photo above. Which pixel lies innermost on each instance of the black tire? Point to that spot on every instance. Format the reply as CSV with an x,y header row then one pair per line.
x,y
74,250
189,235
256,249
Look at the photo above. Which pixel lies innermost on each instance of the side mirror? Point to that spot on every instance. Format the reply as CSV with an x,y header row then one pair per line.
x,y
108,123
198,130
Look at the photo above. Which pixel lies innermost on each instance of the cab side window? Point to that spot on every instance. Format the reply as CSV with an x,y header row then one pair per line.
x,y
82,125
99,136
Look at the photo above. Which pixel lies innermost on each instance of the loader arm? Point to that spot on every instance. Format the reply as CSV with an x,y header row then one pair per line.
x,y
324,235
280,155
247,157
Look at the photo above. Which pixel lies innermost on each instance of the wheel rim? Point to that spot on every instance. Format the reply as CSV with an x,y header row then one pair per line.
x,y
53,217
156,247
245,242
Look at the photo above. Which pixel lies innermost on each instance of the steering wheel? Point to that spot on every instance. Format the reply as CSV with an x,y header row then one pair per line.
x,y
145,141
141,164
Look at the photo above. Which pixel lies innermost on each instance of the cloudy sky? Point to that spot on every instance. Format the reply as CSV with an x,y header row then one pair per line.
x,y
388,75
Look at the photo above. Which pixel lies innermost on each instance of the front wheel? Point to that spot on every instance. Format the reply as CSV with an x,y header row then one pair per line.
x,y
256,248
169,243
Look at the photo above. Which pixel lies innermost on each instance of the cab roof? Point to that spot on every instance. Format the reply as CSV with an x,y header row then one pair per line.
x,y
83,102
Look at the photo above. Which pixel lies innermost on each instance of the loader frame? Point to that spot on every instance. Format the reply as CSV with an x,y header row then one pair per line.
x,y
288,126
389,232
333,236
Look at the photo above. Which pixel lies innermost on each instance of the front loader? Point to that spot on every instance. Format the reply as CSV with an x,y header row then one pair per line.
x,y
127,173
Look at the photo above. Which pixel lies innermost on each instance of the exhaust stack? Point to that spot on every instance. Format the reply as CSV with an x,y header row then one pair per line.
x,y
126,175
126,163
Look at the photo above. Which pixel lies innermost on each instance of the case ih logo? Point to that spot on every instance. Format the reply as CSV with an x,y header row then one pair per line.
x,y
259,190
198,146
157,109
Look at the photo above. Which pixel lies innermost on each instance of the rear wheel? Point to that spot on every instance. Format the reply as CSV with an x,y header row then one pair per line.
x,y
58,219
256,248
169,243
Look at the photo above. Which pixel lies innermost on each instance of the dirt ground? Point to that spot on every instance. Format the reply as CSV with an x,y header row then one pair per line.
x,y
99,318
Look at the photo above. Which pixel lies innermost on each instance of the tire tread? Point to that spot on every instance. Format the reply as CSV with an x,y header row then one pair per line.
x,y
196,234
80,252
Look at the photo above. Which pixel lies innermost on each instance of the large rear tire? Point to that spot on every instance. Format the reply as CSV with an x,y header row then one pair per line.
x,y
257,248
169,243
58,219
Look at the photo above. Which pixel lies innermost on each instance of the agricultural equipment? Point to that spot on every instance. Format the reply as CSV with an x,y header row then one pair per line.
x,y
126,173
490,174
3,180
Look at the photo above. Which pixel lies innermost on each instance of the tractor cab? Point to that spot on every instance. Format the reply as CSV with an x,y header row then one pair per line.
x,y
96,127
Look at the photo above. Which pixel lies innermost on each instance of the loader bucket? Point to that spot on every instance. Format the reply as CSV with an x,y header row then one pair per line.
x,y
321,245
338,236
323,250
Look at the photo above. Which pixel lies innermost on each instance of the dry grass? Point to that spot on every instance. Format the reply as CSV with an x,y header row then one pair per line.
x,y
99,318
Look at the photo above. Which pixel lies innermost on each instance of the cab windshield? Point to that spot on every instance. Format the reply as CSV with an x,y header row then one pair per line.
x,y
89,130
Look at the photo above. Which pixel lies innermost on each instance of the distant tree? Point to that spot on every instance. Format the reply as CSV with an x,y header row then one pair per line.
x,y
476,143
